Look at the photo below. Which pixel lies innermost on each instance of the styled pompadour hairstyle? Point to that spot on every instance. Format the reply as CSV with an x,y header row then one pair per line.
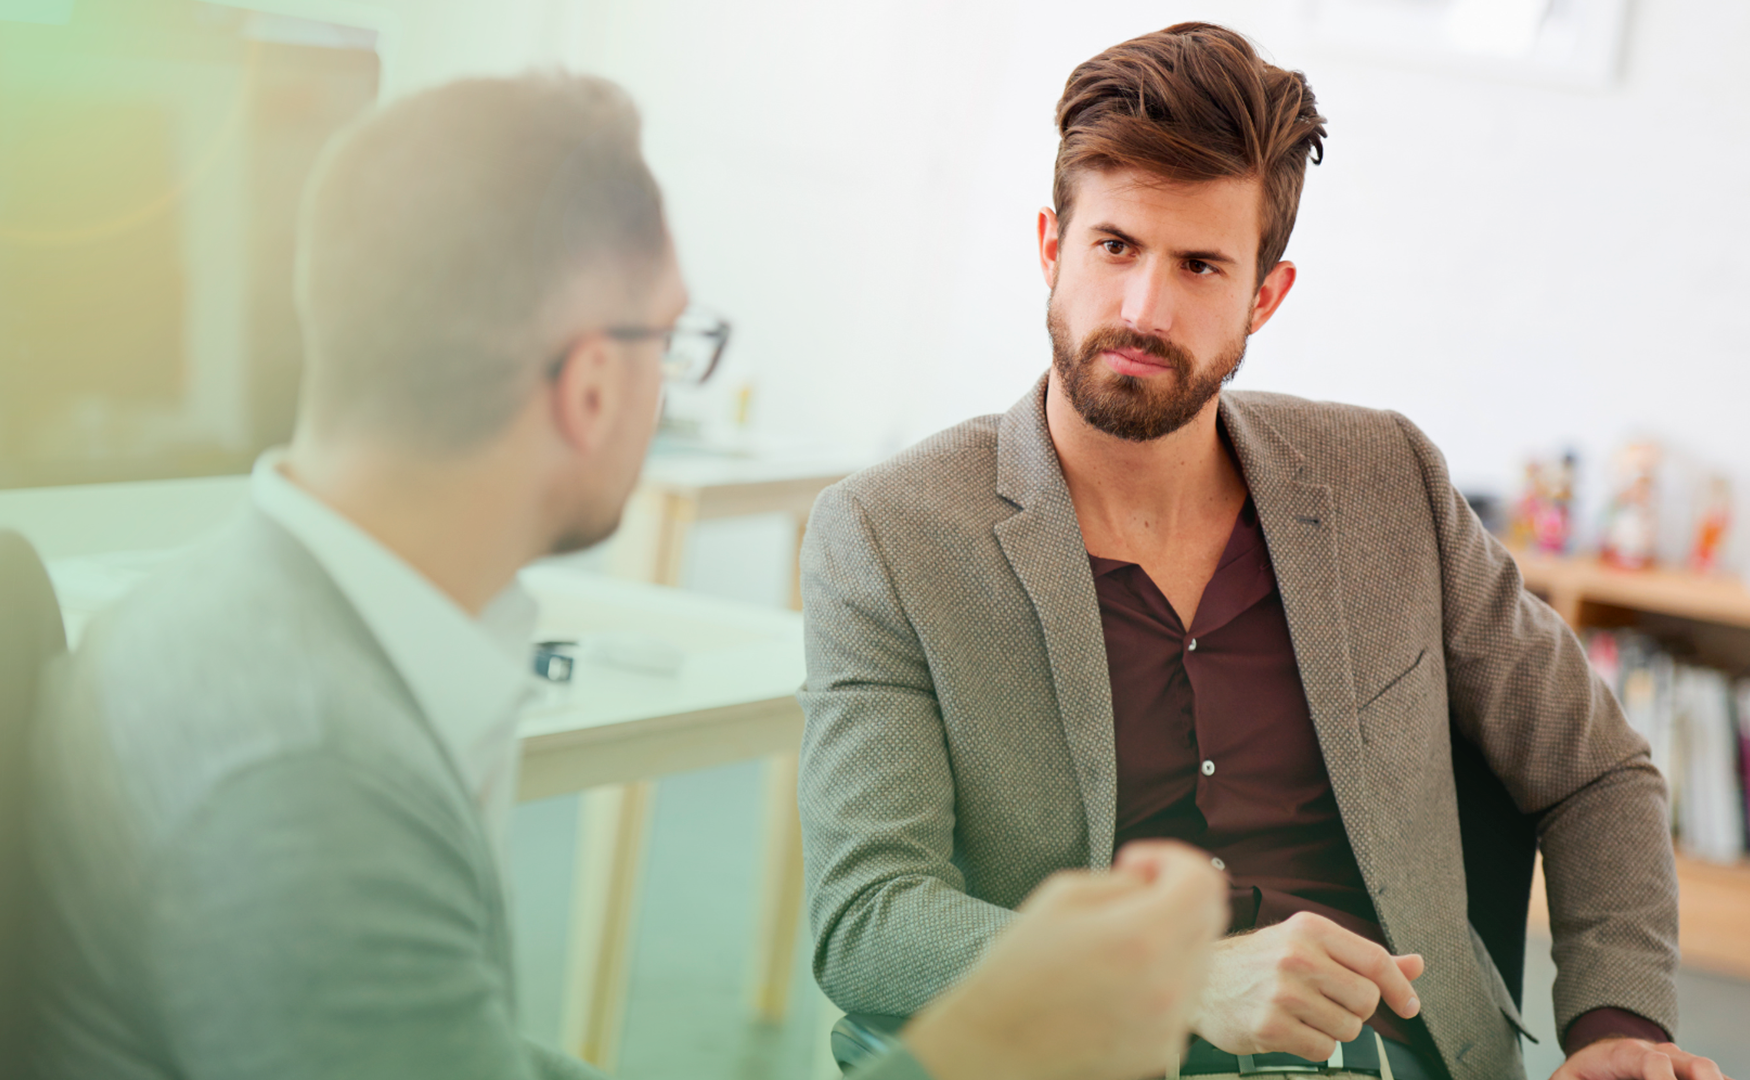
x,y
451,239
1192,103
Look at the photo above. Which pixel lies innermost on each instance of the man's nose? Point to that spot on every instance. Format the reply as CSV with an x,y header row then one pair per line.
x,y
1148,300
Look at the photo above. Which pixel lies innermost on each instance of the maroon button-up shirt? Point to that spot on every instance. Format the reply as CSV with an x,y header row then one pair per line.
x,y
1216,747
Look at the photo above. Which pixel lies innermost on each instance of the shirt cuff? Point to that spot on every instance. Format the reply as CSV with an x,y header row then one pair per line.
x,y
894,1064
1610,1023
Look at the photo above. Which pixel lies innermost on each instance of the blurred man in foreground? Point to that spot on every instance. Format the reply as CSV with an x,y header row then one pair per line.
x,y
273,786
1136,606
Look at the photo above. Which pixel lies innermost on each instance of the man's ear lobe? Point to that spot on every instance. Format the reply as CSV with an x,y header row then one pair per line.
x,y
1050,244
582,394
1271,292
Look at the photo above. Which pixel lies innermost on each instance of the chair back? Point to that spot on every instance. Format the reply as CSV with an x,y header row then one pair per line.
x,y
1500,852
30,634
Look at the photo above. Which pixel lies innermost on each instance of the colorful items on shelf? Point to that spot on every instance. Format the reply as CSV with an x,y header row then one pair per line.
x,y
1631,522
1711,525
1543,517
1697,722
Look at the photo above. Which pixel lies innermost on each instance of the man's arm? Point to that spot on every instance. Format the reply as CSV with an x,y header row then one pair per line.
x,y
314,921
893,926
1520,688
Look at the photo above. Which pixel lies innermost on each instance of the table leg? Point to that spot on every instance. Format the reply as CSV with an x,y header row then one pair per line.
x,y
780,910
796,566
612,827
679,512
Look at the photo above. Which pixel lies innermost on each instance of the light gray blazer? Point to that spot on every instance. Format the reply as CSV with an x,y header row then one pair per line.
x,y
257,860
959,738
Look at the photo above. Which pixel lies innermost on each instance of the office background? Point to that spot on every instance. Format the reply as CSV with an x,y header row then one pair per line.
x,y
1520,264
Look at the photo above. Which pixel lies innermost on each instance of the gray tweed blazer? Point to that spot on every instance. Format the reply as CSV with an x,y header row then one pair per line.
x,y
959,739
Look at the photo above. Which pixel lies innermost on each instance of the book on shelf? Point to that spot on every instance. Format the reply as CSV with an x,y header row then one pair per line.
x,y
1697,722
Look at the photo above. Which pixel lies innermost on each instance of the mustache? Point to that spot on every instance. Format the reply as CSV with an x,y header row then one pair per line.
x,y
1112,338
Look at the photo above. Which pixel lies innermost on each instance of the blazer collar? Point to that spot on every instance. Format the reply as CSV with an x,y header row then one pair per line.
x,y
1302,522
1027,467
1043,543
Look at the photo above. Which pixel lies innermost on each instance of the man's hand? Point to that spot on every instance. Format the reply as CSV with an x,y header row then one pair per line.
x,y
1300,987
1635,1059
1093,982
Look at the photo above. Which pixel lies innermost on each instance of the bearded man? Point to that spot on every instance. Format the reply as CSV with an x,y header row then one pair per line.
x,y
1137,605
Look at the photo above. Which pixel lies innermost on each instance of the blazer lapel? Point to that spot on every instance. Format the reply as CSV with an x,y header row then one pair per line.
x,y
1300,522
1043,543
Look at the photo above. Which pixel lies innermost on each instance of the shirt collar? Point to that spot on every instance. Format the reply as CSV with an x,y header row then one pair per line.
x,y
469,676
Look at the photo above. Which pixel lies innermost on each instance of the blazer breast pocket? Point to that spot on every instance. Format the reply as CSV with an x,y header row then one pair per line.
x,y
1398,705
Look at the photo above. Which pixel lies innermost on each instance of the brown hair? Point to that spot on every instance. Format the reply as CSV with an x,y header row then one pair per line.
x,y
453,240
1192,103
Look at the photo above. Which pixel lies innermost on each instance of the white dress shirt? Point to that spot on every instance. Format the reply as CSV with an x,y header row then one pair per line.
x,y
469,676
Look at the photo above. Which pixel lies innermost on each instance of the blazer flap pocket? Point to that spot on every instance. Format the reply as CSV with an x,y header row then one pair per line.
x,y
1405,687
1497,985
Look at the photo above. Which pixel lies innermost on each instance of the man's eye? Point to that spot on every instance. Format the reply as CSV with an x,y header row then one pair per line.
x,y
1199,267
1113,247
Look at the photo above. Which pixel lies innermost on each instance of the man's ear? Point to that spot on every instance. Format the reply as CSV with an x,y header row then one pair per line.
x,y
1271,292
586,393
1048,245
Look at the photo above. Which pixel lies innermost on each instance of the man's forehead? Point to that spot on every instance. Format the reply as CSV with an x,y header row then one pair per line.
x,y
1147,203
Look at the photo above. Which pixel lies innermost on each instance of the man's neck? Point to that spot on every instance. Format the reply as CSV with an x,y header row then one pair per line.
x,y
455,521
1142,491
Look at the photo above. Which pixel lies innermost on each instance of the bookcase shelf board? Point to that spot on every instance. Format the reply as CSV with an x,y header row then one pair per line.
x,y
1713,900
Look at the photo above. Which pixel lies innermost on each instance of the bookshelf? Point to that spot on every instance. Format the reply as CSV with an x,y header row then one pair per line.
x,y
1710,615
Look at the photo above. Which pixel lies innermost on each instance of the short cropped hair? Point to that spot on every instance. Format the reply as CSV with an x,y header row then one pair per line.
x,y
1192,103
449,242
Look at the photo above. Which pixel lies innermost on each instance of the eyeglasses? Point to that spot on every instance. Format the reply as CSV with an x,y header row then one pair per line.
x,y
691,348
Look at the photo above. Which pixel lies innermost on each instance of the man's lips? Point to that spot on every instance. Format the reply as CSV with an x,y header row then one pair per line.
x,y
1134,362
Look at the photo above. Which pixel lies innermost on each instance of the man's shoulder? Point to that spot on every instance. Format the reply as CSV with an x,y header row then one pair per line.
x,y
1338,439
1292,415
229,657
950,475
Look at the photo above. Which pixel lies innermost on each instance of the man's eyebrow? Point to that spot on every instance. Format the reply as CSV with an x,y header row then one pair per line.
x,y
1117,234
1206,256
1209,256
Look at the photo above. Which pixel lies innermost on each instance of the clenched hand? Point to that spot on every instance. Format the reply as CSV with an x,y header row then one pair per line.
x,y
1300,987
1094,981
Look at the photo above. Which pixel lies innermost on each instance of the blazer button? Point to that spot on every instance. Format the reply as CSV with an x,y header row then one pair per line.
x,y
1208,768
1217,863
1192,646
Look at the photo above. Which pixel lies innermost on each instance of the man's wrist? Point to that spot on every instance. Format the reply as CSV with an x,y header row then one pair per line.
x,y
1610,1023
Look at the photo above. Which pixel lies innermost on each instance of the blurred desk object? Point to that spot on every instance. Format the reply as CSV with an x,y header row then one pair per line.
x,y
679,488
1711,615
612,730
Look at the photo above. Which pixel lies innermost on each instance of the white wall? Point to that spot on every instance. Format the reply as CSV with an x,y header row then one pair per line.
x,y
1516,267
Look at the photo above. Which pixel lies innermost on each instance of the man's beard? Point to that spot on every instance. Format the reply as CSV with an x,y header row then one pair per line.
x,y
1127,406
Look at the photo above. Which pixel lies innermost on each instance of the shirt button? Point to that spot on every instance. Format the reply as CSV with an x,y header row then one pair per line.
x,y
1192,646
1217,863
1208,768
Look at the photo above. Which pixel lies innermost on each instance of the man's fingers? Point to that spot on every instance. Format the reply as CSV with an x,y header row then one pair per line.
x,y
1655,1066
1366,958
1154,860
1689,1066
1329,1018
1354,994
1411,965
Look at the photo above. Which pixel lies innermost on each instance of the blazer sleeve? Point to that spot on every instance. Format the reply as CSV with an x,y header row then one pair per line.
x,y
892,923
1520,688
312,921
